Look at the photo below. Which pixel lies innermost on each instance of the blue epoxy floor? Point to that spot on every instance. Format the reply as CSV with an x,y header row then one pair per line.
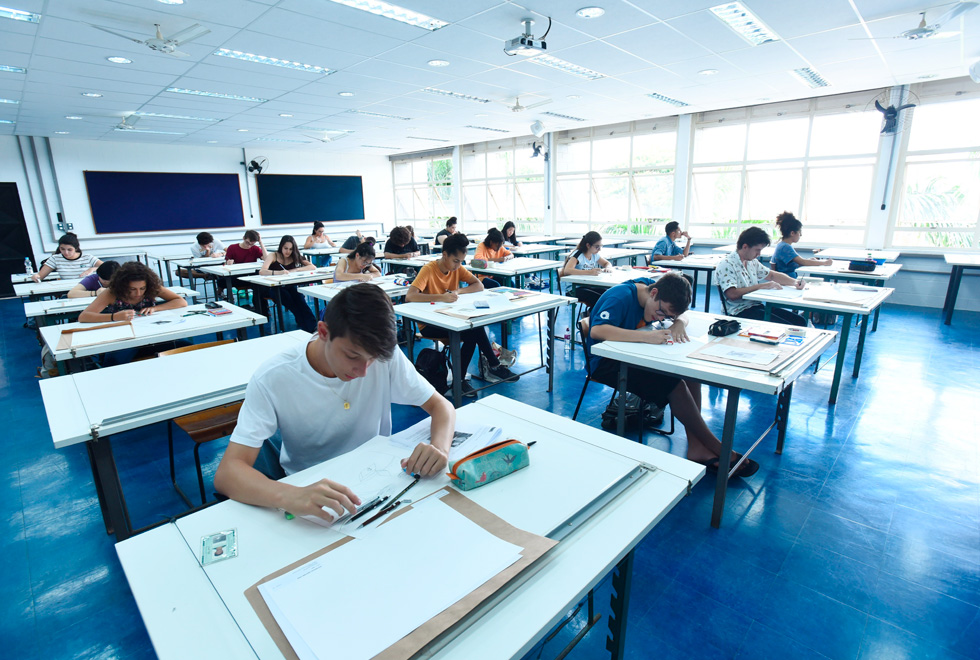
x,y
861,541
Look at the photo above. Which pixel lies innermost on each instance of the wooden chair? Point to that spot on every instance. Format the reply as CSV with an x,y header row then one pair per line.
x,y
203,426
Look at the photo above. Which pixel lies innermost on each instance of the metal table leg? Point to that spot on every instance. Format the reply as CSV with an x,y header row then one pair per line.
x,y
955,275
724,460
860,347
707,290
841,350
458,369
619,600
621,413
550,353
782,415
106,478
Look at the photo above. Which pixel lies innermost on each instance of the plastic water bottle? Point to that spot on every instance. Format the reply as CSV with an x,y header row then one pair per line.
x,y
568,341
28,268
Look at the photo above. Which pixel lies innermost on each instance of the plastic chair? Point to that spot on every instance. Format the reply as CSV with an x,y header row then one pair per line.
x,y
203,426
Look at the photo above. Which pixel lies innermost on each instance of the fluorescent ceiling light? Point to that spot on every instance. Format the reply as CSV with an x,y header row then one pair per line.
x,y
283,114
487,128
810,77
5,121
455,95
18,15
61,132
215,95
561,116
378,114
281,140
115,59
413,137
394,12
707,72
243,130
438,63
326,130
212,142
345,94
171,2
273,61
573,97
567,67
160,114
667,100
10,101
12,69
745,23
136,130
92,95
590,12
72,117
378,146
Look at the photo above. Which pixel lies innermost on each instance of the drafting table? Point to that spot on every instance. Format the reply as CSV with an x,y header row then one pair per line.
x,y
190,611
958,263
673,360
535,250
49,311
613,254
326,292
839,271
277,282
182,261
78,409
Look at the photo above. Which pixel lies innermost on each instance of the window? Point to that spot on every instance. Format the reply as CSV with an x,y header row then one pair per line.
x,y
814,158
423,191
940,189
617,180
501,182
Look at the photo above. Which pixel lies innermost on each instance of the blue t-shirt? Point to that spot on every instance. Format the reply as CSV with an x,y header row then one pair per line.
x,y
667,247
782,259
620,307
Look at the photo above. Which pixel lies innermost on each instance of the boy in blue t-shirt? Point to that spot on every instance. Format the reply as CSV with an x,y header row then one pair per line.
x,y
623,314
666,249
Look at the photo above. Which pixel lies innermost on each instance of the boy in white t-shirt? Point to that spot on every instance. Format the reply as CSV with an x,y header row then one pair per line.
x,y
326,398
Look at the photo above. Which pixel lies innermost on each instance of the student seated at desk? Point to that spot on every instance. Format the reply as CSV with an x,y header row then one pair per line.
x,y
784,257
206,245
667,249
619,316
440,281
585,259
447,232
68,260
510,235
358,265
133,289
94,284
318,238
284,260
355,240
250,250
401,245
741,272
327,397
492,250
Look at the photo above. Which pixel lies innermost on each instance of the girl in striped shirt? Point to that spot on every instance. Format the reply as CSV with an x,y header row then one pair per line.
x,y
68,260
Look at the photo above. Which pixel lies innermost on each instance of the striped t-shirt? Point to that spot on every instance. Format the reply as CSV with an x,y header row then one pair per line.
x,y
70,269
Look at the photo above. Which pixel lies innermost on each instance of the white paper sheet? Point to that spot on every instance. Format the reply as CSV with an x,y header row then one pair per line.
x,y
748,355
468,438
328,608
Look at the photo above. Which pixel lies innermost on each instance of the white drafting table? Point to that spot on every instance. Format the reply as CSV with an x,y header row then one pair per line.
x,y
535,250
604,281
428,313
78,409
957,263
613,254
539,238
650,245
230,272
840,271
607,241
517,268
46,311
321,250
182,261
326,292
698,263
765,255
793,298
166,325
110,253
36,290
20,278
849,254
190,611
673,360
277,282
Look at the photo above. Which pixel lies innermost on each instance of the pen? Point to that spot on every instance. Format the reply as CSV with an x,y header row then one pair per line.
x,y
391,507
368,507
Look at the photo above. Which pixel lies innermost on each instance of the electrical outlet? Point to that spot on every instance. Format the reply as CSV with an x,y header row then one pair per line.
x,y
70,226
61,226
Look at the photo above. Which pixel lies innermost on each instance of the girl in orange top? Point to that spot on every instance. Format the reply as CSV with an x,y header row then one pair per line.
x,y
492,250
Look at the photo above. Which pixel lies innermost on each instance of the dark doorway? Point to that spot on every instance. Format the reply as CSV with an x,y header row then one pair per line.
x,y
15,242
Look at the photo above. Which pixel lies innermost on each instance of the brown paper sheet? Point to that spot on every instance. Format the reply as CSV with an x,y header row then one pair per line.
x,y
534,547
785,353
64,341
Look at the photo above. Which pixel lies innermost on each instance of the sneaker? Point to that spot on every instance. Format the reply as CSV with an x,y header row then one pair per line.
x,y
503,373
468,390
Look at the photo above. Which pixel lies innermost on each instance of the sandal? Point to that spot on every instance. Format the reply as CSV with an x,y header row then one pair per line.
x,y
748,468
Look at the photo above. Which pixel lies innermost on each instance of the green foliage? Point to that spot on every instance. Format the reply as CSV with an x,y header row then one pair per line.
x,y
931,206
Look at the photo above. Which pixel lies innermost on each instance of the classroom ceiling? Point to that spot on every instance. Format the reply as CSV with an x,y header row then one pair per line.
x,y
639,47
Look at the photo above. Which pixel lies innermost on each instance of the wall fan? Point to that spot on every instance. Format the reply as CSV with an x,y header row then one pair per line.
x,y
162,44
258,164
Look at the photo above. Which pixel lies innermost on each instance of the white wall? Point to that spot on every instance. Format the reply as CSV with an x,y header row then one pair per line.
x,y
70,158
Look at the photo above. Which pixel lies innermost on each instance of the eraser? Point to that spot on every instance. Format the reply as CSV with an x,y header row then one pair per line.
x,y
796,332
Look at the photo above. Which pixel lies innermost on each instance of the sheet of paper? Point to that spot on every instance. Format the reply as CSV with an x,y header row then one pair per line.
x,y
785,292
101,336
468,437
327,610
748,355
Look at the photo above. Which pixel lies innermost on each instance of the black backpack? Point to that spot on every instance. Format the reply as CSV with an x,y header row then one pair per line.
x,y
433,365
652,415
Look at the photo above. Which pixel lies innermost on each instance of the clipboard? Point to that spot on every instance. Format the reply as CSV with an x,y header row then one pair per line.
x,y
67,340
534,547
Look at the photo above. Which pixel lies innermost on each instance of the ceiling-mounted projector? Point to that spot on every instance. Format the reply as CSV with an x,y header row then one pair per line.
x,y
526,45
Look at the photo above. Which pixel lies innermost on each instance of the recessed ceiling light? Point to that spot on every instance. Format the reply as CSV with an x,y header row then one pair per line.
x,y
115,59
272,61
212,142
455,95
72,117
427,139
810,77
438,63
590,12
745,23
281,140
10,101
567,67
486,128
394,12
765,98
573,97
377,114
18,15
929,76
215,95
92,95
166,116
243,130
561,116
376,146
171,2
12,69
137,130
707,72
345,93
283,114
666,99
61,132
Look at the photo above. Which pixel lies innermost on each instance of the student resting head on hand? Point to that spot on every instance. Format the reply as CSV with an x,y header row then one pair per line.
x,y
92,285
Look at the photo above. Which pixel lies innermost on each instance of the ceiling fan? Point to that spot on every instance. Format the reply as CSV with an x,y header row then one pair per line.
x,y
329,136
924,30
128,123
166,45
517,107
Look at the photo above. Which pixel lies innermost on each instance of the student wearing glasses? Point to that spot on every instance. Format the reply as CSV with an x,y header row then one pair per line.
x,y
358,265
624,313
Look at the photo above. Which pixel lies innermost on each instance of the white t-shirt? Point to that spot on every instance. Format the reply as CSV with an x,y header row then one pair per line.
x,y
585,262
197,251
285,393
730,272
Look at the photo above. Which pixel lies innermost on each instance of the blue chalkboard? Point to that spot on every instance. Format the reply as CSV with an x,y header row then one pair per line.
x,y
161,201
302,198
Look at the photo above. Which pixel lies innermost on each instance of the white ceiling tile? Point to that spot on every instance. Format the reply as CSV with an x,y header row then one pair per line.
x,y
773,56
459,41
250,41
660,43
396,72
619,16
667,9
417,56
16,43
806,18
709,31
292,26
849,43
602,57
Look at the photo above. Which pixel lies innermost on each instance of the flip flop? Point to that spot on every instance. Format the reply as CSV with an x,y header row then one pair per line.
x,y
748,468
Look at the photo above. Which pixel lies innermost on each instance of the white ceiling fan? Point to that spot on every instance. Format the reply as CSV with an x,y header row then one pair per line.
x,y
329,136
128,123
162,44
925,31
517,107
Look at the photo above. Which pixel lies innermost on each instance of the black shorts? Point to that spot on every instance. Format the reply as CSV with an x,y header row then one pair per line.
x,y
651,387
